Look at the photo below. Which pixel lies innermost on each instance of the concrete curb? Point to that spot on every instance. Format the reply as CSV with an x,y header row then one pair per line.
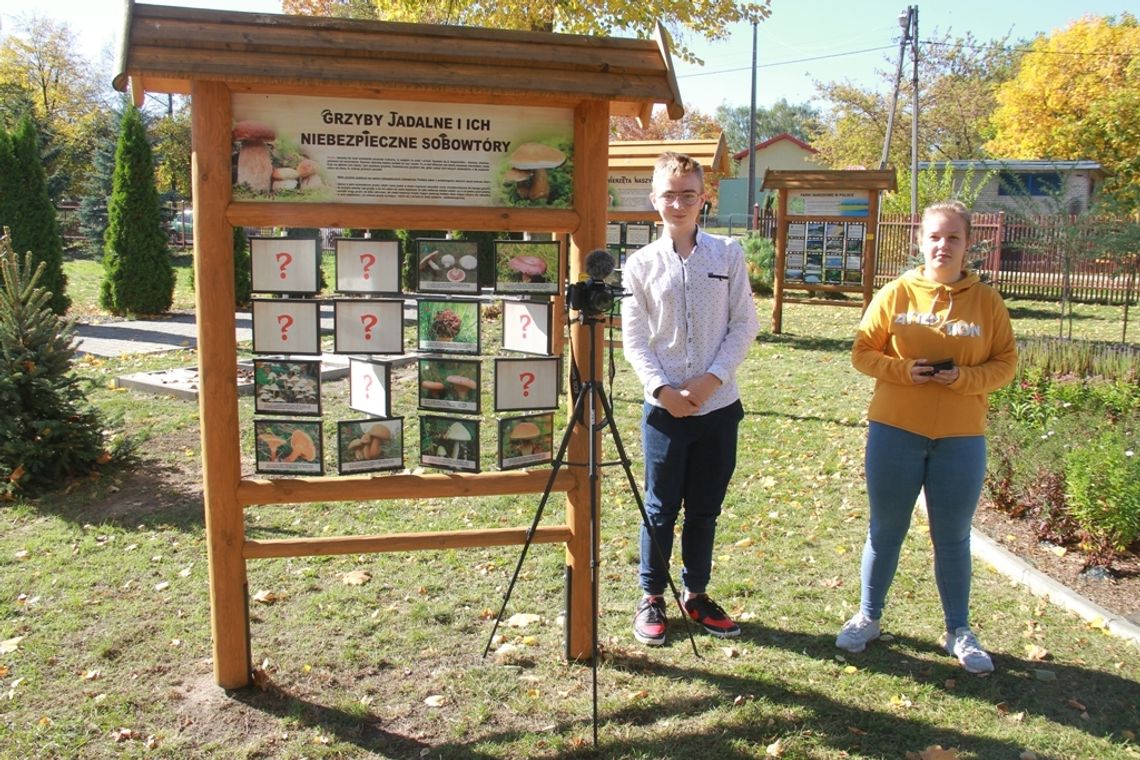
x,y
1016,569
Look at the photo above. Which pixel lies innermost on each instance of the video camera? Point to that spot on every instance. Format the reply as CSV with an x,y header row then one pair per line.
x,y
594,296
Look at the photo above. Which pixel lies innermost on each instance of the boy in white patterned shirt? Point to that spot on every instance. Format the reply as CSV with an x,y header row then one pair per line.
x,y
687,324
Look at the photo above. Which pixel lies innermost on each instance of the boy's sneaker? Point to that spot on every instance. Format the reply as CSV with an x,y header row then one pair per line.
x,y
964,645
649,621
856,632
712,616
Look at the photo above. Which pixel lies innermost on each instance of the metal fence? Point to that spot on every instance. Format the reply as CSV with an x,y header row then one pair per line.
x,y
1029,257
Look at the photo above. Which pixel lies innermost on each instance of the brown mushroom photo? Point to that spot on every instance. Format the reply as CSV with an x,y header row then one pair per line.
x,y
538,174
526,441
370,445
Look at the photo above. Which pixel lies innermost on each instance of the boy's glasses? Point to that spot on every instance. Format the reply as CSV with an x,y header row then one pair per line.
x,y
687,198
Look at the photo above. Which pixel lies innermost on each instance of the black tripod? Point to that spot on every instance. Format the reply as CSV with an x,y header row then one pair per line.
x,y
590,395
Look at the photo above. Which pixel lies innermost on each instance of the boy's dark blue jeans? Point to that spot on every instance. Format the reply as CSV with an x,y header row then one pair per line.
x,y
688,463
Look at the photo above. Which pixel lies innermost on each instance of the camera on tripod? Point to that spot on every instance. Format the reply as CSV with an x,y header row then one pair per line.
x,y
594,296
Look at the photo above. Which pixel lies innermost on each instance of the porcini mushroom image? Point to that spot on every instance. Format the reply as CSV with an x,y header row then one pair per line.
x,y
458,435
375,437
537,159
461,386
254,164
524,437
529,268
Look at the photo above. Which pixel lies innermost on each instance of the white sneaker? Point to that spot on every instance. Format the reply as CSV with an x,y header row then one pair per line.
x,y
856,632
964,645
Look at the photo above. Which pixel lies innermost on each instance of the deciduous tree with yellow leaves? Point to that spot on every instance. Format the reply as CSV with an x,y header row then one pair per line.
x,y
1076,96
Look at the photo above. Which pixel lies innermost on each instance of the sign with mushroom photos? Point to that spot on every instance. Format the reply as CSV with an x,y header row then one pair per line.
x,y
526,441
451,327
284,265
285,326
368,326
367,267
369,445
447,266
369,385
287,386
526,326
449,443
523,384
288,447
527,266
450,385
315,148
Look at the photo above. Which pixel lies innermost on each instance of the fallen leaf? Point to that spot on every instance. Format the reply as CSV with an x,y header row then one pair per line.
x,y
834,582
634,696
934,752
739,699
857,731
1129,735
1044,675
1098,623
185,572
950,684
1037,652
22,554
730,652
1027,755
901,700
89,675
10,645
775,749
356,578
530,641
436,700
1060,551
1075,704
744,543
522,619
162,586
1002,709
265,597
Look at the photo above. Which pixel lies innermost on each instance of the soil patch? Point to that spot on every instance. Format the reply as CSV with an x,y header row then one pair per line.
x,y
1116,588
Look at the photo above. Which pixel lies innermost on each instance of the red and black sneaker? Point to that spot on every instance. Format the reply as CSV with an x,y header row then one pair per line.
x,y
712,616
649,621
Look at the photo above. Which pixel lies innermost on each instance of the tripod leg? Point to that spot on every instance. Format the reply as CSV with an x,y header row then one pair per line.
x,y
625,464
557,465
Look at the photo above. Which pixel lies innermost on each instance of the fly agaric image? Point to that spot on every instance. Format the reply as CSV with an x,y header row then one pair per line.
x,y
530,164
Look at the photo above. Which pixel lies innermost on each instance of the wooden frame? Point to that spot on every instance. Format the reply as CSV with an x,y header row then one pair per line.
x,y
826,219
214,55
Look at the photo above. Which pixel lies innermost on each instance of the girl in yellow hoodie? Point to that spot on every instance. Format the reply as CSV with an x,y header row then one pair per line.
x,y
937,341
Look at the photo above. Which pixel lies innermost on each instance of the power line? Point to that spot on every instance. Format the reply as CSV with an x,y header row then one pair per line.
x,y
1008,49
787,63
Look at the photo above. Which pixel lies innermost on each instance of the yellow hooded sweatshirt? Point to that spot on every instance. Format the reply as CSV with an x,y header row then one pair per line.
x,y
915,318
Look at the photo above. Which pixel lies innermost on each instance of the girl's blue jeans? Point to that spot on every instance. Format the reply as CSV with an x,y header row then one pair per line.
x,y
688,462
951,471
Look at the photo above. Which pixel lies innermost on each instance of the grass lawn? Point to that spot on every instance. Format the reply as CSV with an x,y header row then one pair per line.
x,y
105,636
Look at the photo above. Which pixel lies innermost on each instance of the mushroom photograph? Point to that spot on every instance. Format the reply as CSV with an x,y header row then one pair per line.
x,y
538,174
449,443
527,266
525,441
370,445
288,446
449,384
448,326
447,266
287,387
268,163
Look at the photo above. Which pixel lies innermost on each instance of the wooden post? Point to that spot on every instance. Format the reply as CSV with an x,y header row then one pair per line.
x,y
591,151
211,122
778,275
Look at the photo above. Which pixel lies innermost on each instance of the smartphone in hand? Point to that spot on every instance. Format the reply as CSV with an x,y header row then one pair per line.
x,y
943,365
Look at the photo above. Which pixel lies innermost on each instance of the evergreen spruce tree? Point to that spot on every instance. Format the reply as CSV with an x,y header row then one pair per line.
x,y
93,205
47,431
138,276
28,212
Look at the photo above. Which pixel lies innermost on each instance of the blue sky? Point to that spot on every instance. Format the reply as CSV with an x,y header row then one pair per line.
x,y
802,42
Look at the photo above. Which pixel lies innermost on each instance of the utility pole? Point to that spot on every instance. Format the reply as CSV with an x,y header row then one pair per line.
x,y
904,24
913,12
752,136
